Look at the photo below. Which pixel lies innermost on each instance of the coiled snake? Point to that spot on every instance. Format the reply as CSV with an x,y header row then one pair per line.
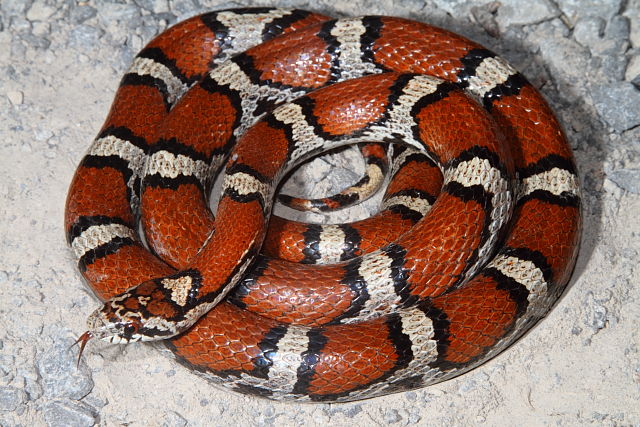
x,y
396,305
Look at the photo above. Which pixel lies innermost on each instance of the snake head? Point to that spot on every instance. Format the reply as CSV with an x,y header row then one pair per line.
x,y
107,328
154,310
105,325
139,314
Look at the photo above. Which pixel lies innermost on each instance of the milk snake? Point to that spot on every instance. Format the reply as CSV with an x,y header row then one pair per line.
x,y
264,89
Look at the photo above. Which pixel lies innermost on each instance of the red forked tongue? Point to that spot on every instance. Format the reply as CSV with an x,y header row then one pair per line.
x,y
83,342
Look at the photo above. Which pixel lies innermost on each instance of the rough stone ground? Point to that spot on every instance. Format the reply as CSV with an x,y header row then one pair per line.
x,y
60,63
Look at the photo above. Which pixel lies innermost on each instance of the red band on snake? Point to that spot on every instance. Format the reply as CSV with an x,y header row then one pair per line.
x,y
401,302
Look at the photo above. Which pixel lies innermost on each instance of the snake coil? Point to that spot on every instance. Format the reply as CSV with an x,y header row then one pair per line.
x,y
477,236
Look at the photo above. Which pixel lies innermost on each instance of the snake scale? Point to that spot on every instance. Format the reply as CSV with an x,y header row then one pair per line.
x,y
476,239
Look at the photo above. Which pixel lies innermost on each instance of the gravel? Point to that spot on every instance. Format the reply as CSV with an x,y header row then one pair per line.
x,y
60,63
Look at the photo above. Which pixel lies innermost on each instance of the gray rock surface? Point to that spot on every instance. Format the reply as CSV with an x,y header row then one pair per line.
x,y
59,375
512,12
617,104
11,398
60,62
66,413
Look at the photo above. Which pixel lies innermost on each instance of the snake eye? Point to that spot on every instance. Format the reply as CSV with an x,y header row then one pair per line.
x,y
129,330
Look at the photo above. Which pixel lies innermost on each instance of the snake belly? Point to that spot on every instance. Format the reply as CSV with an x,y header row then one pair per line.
x,y
264,89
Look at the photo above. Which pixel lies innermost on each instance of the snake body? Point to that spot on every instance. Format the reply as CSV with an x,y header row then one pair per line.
x,y
399,302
